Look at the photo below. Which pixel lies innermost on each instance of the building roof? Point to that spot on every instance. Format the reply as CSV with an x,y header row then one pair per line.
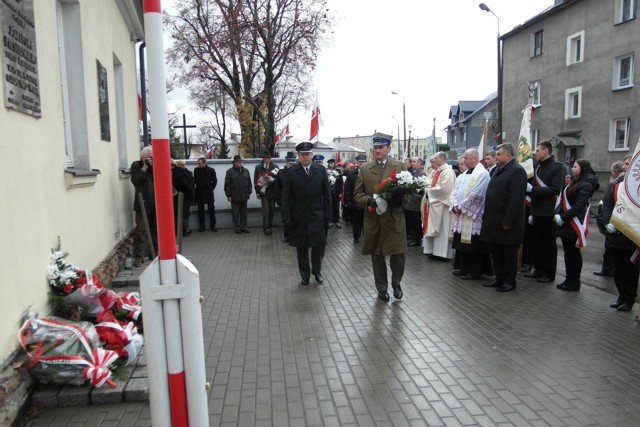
x,y
551,10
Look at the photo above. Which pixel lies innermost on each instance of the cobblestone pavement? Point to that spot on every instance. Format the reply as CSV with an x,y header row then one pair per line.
x,y
451,352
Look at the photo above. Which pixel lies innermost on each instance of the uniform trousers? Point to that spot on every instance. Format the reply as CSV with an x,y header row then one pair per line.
x,y
396,262
317,253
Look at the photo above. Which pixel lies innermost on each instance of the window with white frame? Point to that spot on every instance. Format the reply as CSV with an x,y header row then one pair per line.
x,y
625,10
463,136
453,138
535,137
535,92
536,43
72,84
573,103
619,134
623,71
575,48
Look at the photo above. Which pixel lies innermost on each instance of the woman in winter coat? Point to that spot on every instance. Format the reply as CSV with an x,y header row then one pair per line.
x,y
572,215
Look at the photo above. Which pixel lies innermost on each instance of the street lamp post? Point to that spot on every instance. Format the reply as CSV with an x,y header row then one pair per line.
x,y
484,7
404,121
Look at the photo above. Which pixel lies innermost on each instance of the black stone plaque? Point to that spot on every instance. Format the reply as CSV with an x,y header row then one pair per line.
x,y
103,99
20,62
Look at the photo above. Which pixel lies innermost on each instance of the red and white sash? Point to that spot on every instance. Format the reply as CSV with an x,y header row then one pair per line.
x,y
581,228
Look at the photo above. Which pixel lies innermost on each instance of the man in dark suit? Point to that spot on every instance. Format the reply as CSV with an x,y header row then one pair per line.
x,y
357,211
306,208
503,218
206,181
490,163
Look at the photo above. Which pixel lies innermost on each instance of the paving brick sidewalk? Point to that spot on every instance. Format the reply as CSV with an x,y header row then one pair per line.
x,y
451,352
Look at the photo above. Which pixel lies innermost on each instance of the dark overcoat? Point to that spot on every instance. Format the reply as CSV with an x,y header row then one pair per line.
x,y
306,205
503,218
578,194
237,184
205,181
383,234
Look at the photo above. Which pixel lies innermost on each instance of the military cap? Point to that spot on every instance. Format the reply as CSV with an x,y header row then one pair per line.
x,y
318,157
304,147
381,139
236,158
361,158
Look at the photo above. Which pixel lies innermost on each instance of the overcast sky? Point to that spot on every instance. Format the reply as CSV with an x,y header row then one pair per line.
x,y
433,53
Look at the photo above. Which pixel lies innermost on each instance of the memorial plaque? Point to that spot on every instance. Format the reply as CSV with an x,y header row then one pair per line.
x,y
103,99
20,62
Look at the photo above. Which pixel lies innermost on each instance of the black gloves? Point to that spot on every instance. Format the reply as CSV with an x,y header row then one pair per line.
x,y
372,202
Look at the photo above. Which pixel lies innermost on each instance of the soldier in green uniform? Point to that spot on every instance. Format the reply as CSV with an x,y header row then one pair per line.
x,y
385,234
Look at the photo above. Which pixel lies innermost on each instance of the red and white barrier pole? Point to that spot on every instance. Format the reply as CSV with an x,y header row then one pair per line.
x,y
169,292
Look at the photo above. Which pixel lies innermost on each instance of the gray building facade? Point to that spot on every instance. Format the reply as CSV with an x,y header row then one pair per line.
x,y
576,63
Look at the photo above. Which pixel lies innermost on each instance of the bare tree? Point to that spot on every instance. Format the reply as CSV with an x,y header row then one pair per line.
x,y
253,49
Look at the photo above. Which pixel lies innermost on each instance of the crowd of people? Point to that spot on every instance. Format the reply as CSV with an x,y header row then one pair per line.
x,y
483,214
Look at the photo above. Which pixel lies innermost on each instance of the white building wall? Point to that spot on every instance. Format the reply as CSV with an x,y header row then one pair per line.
x,y
37,204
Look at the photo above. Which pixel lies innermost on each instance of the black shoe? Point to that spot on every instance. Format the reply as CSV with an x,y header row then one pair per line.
x,y
356,240
285,240
267,232
603,274
244,230
215,230
626,306
494,284
618,303
413,243
237,231
570,287
560,285
532,275
472,277
319,278
383,295
458,273
201,229
544,279
304,281
397,292
506,287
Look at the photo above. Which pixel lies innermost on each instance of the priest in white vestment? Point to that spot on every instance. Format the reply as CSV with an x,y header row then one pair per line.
x,y
436,223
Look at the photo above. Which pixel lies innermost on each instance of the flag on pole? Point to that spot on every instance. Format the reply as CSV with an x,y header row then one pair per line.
x,y
283,134
483,138
315,120
626,213
524,145
140,106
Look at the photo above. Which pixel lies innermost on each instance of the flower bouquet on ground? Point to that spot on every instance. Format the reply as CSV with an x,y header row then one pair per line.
x,y
76,286
267,179
119,336
65,352
128,308
395,187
